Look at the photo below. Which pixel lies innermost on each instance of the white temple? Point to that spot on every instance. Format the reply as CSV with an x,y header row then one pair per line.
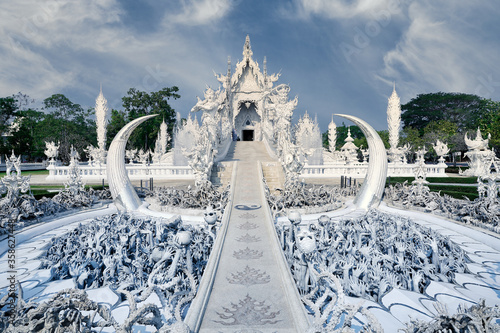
x,y
243,98
247,106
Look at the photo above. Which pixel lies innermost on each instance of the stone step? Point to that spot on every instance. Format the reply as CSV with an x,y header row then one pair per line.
x,y
274,175
221,173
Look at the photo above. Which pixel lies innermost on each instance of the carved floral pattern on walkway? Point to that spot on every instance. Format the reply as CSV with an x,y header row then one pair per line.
x,y
247,254
249,276
248,312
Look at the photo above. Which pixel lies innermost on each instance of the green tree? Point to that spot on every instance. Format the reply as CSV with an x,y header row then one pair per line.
x,y
26,137
490,123
8,108
445,131
342,131
462,109
68,124
139,103
116,123
411,136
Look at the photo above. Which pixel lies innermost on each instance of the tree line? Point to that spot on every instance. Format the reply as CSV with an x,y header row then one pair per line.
x,y
444,116
25,128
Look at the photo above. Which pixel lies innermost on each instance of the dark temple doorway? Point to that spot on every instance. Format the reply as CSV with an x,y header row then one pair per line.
x,y
247,135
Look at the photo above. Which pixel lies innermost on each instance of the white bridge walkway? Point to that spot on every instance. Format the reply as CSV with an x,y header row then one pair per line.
x,y
253,290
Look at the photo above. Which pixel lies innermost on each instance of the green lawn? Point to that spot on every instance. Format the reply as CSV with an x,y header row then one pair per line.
x,y
458,192
29,172
447,180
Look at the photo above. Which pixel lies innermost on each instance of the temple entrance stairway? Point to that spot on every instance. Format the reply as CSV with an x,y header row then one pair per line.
x,y
252,289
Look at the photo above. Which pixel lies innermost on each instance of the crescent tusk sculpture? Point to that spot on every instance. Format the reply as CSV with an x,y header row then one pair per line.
x,y
121,188
373,186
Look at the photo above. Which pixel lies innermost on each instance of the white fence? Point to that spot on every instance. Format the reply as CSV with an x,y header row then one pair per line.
x,y
26,166
134,171
358,170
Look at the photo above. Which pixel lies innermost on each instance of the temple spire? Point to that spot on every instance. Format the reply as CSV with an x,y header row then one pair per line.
x,y
247,50
101,111
394,118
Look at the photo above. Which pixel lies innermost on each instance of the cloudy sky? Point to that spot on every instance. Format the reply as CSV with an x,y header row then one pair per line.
x,y
338,56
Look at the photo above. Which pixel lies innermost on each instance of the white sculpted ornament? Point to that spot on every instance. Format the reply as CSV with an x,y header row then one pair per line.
x,y
478,154
51,150
280,111
210,106
13,182
332,136
143,156
441,150
131,154
478,144
211,103
101,110
96,155
292,163
74,184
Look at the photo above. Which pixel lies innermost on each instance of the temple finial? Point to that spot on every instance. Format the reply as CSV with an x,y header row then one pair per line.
x,y
247,49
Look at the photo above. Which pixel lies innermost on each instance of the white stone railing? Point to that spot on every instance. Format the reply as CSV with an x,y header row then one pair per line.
x,y
223,149
358,170
134,171
269,147
26,166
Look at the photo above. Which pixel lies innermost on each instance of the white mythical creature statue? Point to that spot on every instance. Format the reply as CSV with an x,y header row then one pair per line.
x,y
420,173
292,161
200,159
282,109
51,150
210,107
13,182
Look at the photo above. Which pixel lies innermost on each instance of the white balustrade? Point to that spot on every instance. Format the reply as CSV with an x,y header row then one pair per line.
x,y
134,171
358,170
